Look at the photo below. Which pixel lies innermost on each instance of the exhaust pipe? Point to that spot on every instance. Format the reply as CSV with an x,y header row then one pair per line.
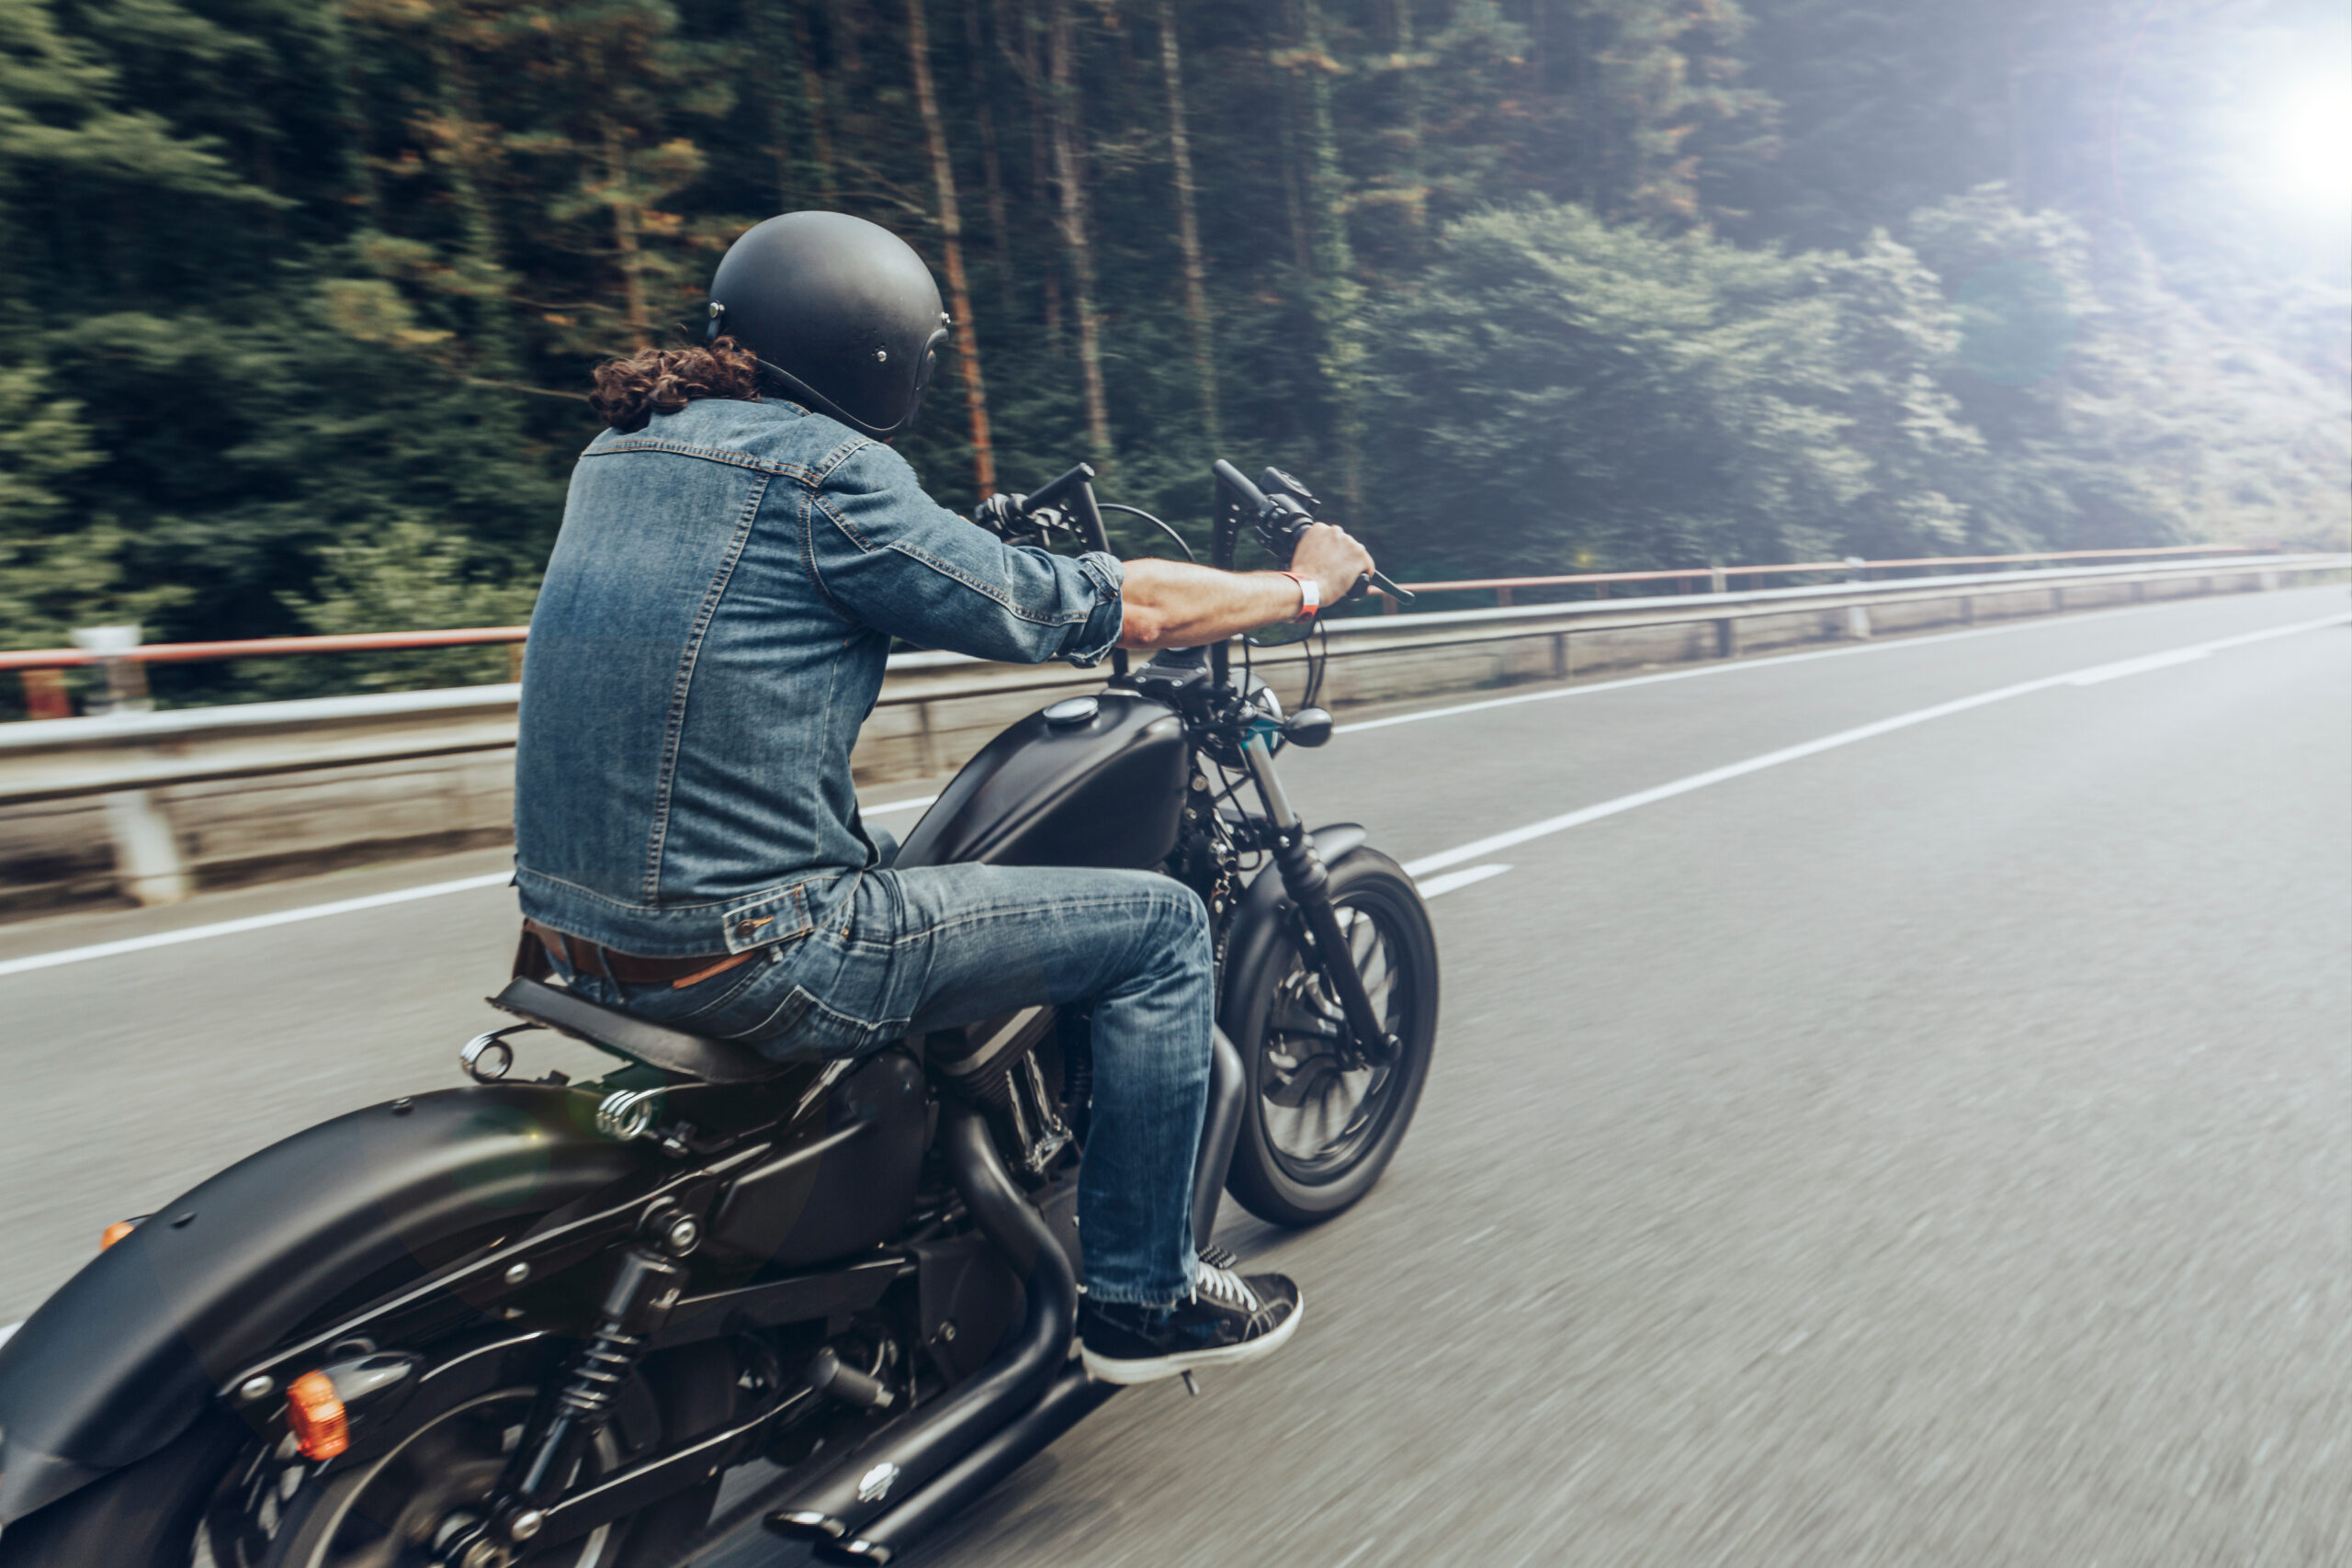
x,y
1073,1397
903,1460
1229,1082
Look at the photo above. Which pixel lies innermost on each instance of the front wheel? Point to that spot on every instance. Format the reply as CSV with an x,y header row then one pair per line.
x,y
1318,1132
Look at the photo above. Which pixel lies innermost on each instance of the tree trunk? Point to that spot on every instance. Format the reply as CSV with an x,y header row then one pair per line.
x,y
632,260
991,168
774,44
1061,49
951,235
1408,90
1026,66
494,335
1336,295
812,93
1188,227
1302,245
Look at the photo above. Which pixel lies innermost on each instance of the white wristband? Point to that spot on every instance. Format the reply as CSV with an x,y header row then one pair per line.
x,y
1310,596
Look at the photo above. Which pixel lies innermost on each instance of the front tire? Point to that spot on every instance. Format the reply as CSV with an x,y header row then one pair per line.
x,y
1314,1136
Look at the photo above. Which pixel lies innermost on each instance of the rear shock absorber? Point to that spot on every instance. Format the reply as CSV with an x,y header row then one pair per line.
x,y
647,1281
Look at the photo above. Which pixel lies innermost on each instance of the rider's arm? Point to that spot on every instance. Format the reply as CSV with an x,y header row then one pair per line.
x,y
888,557
1177,605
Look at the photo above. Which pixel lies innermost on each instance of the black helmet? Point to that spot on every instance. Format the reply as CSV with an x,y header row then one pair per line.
x,y
840,312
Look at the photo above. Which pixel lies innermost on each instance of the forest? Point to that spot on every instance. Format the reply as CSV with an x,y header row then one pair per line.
x,y
298,297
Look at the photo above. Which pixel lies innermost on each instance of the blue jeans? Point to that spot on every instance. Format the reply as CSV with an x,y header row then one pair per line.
x,y
901,953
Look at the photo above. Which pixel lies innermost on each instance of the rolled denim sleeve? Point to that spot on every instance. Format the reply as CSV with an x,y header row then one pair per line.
x,y
889,556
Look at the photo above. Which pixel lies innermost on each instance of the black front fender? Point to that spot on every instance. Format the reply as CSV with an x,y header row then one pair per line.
x,y
131,1349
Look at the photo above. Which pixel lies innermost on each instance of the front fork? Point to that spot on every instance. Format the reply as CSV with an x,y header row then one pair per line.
x,y
1309,887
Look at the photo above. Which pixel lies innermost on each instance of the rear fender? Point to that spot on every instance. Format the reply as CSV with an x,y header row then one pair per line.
x,y
127,1354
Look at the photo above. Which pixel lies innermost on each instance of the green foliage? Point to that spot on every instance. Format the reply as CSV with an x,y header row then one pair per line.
x,y
1561,390
409,576
301,296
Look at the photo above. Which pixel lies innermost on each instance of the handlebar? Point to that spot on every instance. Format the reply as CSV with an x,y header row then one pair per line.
x,y
1077,484
1281,519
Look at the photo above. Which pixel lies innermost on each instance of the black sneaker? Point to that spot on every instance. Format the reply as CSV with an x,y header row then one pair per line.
x,y
1228,1318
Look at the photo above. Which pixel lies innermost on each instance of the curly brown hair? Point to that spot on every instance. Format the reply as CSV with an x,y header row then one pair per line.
x,y
664,380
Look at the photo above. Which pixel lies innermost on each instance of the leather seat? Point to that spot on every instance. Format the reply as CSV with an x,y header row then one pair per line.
x,y
674,1051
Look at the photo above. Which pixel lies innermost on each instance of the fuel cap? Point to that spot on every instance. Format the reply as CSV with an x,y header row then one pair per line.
x,y
1073,710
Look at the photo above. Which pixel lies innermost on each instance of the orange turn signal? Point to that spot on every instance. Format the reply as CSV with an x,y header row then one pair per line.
x,y
115,1233
314,1414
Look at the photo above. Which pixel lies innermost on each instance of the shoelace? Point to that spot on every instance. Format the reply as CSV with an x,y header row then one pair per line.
x,y
1222,1285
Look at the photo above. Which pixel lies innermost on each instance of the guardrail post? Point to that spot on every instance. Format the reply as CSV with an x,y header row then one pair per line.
x,y
1967,610
147,861
1718,580
2269,579
1559,656
1858,616
926,741
126,678
1727,637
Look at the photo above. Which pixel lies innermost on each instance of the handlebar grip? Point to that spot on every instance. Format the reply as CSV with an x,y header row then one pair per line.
x,y
1055,488
1234,480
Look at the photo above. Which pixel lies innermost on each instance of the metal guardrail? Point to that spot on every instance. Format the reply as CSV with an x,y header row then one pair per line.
x,y
46,759
36,661
1853,567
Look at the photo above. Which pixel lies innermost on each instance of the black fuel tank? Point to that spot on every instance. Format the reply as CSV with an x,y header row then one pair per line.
x,y
1104,788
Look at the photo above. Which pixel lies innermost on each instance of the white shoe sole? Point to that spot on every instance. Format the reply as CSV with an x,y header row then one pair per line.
x,y
1105,1368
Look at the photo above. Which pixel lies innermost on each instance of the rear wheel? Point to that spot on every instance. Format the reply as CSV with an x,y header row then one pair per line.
x,y
220,1497
1317,1129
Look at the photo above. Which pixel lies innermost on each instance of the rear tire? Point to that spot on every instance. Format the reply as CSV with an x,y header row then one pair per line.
x,y
143,1516
150,1514
1315,1139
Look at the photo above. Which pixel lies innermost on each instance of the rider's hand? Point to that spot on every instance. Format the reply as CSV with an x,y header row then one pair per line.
x,y
1330,555
999,514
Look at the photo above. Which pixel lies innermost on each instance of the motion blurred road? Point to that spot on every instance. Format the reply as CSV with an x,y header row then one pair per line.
x,y
1931,1148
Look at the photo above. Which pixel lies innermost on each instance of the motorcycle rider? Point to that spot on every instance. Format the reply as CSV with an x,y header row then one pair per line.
x,y
737,553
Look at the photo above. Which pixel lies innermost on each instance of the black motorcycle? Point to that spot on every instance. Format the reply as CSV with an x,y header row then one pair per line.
x,y
536,1322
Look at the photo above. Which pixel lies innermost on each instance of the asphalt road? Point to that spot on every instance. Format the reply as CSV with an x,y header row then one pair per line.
x,y
1931,1147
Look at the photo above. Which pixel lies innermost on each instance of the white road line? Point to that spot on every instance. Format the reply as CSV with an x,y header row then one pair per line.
x,y
2140,666
251,923
1439,886
7,1332
1735,666
1623,803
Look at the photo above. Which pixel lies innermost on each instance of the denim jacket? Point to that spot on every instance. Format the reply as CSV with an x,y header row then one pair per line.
x,y
710,636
